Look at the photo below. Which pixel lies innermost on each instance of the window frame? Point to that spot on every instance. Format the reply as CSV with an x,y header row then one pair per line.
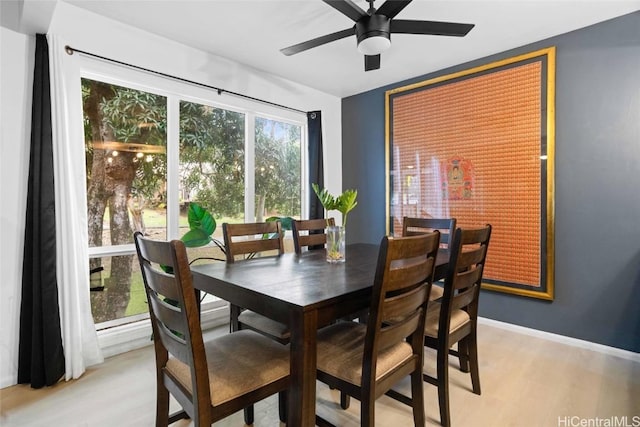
x,y
176,91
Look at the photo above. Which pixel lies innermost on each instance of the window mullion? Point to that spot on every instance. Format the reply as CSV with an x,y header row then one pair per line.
x,y
250,168
173,162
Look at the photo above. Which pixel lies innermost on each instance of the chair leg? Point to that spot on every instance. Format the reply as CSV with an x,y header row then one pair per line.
x,y
417,398
473,361
282,406
367,409
443,386
463,355
345,400
162,405
248,415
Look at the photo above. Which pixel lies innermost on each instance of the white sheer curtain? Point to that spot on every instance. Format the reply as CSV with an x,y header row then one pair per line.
x,y
79,335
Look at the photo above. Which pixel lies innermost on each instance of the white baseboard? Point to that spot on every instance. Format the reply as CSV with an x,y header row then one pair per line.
x,y
136,335
8,380
574,342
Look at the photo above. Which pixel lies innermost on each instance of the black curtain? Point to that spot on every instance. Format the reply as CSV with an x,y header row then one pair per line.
x,y
41,356
316,168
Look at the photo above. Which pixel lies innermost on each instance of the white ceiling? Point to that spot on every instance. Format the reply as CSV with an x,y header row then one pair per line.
x,y
253,31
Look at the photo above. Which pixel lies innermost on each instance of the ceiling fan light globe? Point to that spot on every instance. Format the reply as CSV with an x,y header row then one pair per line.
x,y
374,45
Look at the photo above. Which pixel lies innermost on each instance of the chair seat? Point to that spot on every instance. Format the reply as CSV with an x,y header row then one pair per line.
x,y
436,292
459,318
341,348
238,363
262,323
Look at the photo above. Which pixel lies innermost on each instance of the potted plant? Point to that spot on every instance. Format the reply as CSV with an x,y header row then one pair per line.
x,y
343,203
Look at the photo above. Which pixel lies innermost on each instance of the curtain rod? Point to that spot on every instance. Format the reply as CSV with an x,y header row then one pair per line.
x,y
70,50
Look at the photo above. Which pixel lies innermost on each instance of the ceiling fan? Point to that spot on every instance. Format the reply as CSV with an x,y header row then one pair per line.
x,y
373,29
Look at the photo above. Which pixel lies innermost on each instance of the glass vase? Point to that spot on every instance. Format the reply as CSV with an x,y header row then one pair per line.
x,y
335,244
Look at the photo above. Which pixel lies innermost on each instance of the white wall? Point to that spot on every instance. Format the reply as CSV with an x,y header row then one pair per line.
x,y
89,32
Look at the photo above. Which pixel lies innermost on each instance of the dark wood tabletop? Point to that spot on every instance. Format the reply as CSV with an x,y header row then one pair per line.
x,y
303,291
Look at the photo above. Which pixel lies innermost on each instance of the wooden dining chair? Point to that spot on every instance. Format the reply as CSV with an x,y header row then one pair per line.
x,y
310,233
414,226
252,239
365,361
454,318
244,242
446,226
210,379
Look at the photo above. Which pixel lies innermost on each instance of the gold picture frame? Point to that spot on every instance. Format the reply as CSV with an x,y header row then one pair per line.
x,y
479,145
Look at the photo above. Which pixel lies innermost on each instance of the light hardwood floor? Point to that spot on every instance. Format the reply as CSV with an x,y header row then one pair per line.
x,y
526,381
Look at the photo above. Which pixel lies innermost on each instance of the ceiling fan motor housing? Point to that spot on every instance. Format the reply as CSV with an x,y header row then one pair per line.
x,y
373,26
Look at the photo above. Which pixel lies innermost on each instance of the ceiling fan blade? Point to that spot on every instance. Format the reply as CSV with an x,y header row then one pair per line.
x,y
392,7
348,8
300,47
436,28
371,62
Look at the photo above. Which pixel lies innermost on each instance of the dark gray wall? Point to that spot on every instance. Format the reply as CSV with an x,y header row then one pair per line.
x,y
597,215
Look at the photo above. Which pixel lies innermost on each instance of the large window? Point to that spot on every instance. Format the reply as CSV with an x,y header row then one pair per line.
x,y
151,151
126,164
277,171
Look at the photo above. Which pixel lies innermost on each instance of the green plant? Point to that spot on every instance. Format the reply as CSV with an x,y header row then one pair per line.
x,y
284,220
344,203
201,227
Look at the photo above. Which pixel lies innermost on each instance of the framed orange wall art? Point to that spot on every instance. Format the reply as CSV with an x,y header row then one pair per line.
x,y
478,145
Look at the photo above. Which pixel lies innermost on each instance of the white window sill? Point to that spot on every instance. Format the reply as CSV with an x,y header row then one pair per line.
x,y
131,336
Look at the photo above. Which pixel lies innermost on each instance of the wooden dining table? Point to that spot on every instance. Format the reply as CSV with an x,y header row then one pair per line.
x,y
305,292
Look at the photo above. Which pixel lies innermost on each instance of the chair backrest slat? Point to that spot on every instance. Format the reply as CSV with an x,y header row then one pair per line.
x,y
412,270
168,314
404,303
254,237
157,252
471,256
174,343
415,226
463,298
161,282
467,278
253,246
310,232
399,331
476,235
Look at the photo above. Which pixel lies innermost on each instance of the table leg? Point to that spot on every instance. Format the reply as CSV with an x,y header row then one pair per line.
x,y
302,393
234,312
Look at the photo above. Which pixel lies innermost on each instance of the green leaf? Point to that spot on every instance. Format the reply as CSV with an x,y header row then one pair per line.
x,y
195,238
345,203
327,200
201,227
286,221
200,218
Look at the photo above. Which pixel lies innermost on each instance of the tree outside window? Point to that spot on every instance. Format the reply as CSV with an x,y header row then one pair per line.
x,y
126,165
